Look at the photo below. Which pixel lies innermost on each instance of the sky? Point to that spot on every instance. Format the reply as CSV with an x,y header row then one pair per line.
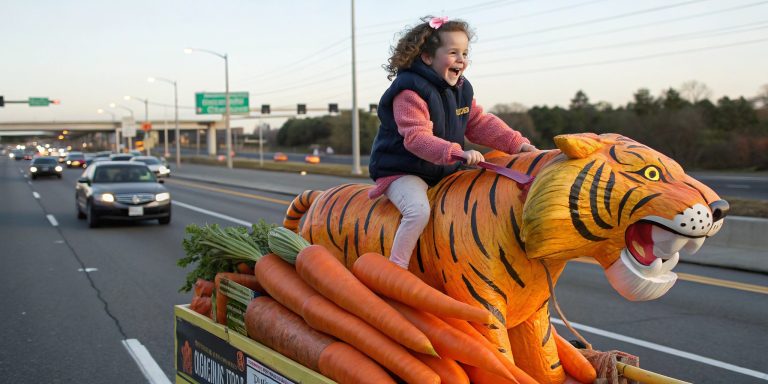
x,y
283,52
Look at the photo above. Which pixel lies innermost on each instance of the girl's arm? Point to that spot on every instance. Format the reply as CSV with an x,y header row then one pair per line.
x,y
413,123
489,130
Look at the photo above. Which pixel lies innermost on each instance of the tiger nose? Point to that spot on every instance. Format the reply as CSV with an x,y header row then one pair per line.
x,y
719,209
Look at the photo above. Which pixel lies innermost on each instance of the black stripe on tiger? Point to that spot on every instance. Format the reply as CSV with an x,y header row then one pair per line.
x,y
593,200
434,243
697,190
419,258
628,176
608,190
516,228
510,269
475,234
555,365
346,248
445,193
370,212
535,162
639,156
493,310
328,224
381,240
511,162
624,201
469,190
548,334
643,201
335,191
344,210
492,195
573,205
357,238
294,218
451,243
612,152
489,282
666,169
297,210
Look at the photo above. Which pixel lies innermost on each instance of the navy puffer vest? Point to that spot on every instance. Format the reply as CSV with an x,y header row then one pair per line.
x,y
448,110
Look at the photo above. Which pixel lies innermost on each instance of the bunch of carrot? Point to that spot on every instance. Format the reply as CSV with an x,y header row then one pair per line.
x,y
201,300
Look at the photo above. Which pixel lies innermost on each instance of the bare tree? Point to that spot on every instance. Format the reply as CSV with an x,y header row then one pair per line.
x,y
694,91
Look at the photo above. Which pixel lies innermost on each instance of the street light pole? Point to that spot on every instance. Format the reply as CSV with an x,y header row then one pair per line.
x,y
117,131
226,97
146,118
176,117
355,117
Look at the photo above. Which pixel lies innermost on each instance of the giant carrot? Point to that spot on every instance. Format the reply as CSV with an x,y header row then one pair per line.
x,y
519,374
275,326
201,305
326,274
450,342
221,299
574,363
203,288
325,316
283,283
481,376
346,365
449,370
387,279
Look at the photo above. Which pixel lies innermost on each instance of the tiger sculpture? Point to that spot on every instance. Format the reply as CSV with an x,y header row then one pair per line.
x,y
494,243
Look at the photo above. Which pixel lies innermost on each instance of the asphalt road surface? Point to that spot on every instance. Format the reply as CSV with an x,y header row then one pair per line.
x,y
72,295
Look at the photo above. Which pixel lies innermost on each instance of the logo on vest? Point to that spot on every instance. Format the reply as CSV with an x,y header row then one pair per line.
x,y
462,111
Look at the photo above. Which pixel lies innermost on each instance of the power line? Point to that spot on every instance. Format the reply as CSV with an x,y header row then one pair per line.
x,y
553,10
603,62
597,20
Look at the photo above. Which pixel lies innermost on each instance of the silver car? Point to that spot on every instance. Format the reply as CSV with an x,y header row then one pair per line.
x,y
154,165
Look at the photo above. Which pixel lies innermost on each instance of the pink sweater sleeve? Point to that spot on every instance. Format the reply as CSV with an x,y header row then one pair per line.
x,y
489,130
413,123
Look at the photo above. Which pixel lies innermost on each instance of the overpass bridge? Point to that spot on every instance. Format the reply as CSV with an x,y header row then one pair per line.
x,y
16,128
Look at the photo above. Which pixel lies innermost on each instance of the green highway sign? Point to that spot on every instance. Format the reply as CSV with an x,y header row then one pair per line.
x,y
39,102
214,103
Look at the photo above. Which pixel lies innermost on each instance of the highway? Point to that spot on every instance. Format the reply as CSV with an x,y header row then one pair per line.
x,y
73,295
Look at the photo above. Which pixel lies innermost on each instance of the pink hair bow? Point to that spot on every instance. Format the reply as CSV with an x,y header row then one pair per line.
x,y
438,22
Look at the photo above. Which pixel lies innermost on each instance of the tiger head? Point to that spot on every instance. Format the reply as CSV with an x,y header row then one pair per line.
x,y
624,204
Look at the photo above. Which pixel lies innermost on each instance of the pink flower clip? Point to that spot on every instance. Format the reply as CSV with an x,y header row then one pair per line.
x,y
438,22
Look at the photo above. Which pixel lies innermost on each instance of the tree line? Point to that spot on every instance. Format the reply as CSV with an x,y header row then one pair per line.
x,y
683,124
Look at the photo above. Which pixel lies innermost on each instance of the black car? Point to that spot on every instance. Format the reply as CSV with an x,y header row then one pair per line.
x,y
120,190
44,166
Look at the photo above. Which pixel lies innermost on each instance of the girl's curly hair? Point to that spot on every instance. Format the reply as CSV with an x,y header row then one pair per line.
x,y
421,39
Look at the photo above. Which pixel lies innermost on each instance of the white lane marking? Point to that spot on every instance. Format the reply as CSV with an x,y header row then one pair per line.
x,y
146,363
52,220
214,214
668,350
87,270
738,186
36,195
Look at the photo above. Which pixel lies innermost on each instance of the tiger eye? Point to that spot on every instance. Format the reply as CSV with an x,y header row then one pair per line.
x,y
651,173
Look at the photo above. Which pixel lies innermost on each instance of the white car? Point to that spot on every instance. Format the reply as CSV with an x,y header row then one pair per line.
x,y
154,165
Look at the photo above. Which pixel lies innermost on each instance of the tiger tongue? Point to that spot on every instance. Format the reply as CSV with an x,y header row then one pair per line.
x,y
640,242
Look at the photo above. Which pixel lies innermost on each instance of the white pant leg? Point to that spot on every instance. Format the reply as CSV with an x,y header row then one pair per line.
x,y
409,195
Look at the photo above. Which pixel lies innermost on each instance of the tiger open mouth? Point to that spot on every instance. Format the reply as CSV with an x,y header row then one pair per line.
x,y
644,268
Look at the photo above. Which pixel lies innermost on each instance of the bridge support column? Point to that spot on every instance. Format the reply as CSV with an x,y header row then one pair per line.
x,y
211,136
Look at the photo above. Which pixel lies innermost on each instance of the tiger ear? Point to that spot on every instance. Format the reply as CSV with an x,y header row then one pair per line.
x,y
578,145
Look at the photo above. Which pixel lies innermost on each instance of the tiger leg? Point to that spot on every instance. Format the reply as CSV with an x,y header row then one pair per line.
x,y
533,346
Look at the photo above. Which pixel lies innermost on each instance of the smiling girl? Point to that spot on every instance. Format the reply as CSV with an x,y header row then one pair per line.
x,y
425,115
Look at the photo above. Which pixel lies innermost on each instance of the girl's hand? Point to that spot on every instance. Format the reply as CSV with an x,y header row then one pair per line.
x,y
527,148
473,157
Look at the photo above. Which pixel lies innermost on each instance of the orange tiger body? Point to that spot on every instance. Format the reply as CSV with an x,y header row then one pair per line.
x,y
491,243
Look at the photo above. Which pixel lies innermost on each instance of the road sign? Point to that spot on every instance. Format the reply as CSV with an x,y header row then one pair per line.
x,y
146,126
128,127
214,103
39,102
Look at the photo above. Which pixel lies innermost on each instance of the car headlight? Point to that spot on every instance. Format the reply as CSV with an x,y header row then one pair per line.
x,y
69,162
59,168
106,197
33,169
163,169
163,196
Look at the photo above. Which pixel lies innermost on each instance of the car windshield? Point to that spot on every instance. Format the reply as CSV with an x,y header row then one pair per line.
x,y
148,161
123,174
45,161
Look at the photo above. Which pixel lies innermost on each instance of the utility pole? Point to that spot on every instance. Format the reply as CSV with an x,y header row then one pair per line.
x,y
355,118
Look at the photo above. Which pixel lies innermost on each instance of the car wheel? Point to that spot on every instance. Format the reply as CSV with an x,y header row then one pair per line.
x,y
34,177
93,221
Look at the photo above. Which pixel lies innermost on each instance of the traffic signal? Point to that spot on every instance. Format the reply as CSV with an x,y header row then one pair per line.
x,y
2,101
333,108
301,109
265,109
